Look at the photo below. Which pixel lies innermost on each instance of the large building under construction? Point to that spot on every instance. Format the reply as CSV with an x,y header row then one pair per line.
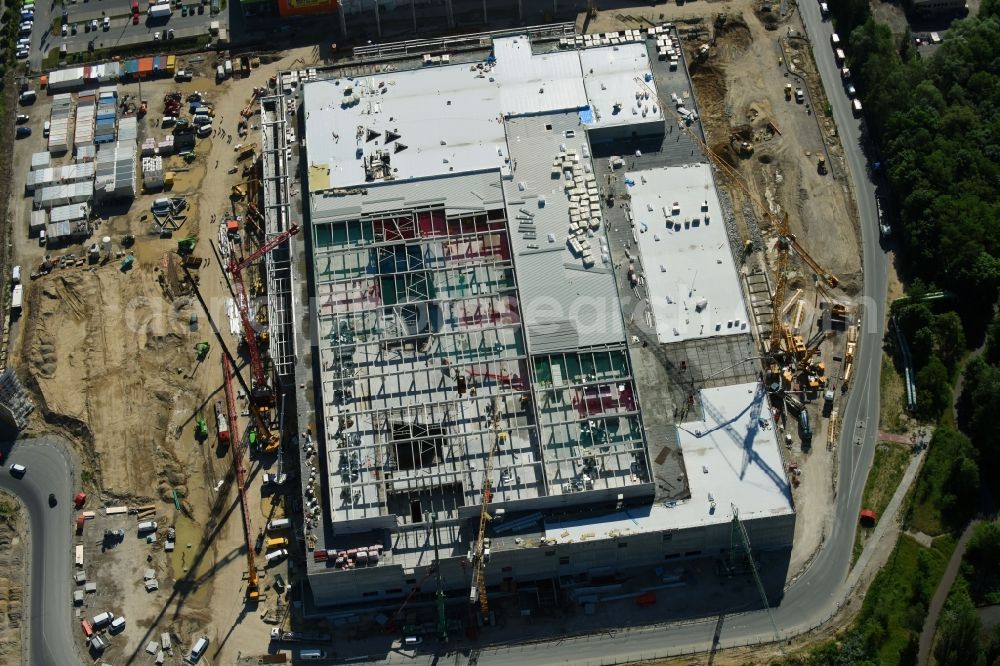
x,y
463,326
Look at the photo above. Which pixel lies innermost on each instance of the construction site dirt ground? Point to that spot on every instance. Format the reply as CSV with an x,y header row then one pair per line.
x,y
13,569
740,90
109,357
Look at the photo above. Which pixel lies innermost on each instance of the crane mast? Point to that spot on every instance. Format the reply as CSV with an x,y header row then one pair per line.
x,y
253,587
479,553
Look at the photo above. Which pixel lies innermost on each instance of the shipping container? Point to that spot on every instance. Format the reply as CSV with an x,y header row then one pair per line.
x,y
16,300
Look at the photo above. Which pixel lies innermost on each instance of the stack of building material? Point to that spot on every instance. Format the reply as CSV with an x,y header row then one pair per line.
x,y
128,129
59,123
584,204
40,160
152,173
148,147
85,113
116,171
166,147
68,223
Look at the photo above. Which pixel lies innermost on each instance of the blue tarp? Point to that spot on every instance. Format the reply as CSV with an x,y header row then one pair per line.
x,y
587,115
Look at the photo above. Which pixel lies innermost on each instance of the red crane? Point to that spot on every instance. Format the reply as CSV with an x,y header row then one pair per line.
x,y
260,391
253,588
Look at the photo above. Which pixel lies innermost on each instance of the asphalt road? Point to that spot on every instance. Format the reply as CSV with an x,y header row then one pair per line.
x,y
816,594
51,529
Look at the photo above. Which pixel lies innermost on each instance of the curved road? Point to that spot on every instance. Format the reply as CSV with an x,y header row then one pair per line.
x,y
818,592
51,532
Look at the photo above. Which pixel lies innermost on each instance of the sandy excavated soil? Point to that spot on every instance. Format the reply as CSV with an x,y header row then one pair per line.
x,y
12,573
102,347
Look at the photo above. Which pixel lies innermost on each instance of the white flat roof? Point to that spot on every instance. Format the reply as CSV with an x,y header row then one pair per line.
x,y
732,459
610,77
693,287
533,84
447,117
450,118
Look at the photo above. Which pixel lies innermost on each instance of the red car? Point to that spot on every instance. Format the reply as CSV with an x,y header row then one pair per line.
x,y
135,19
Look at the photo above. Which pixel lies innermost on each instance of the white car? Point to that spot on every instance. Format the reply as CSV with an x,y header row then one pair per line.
x,y
107,23
22,54
46,128
65,29
851,91
93,24
18,470
156,36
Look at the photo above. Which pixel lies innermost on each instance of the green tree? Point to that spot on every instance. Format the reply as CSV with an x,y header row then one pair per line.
x,y
958,638
933,389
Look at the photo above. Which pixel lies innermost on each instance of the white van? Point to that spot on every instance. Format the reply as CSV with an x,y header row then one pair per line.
x,y
311,654
835,40
147,526
117,624
199,649
201,120
276,556
278,524
856,107
102,619
15,276
205,130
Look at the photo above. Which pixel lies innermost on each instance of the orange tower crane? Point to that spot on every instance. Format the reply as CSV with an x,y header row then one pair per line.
x,y
253,585
260,391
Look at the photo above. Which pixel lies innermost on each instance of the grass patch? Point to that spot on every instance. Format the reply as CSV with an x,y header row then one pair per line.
x,y
892,414
894,608
946,492
887,471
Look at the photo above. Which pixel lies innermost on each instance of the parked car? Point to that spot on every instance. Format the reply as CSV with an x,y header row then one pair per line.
x,y
21,54
93,25
52,499
800,95
135,19
107,23
22,118
23,132
65,29
851,91
46,127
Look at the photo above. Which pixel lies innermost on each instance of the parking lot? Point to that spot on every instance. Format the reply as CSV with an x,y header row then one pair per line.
x,y
107,24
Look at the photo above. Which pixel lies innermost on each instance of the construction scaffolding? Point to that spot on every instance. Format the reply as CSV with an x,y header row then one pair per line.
x,y
275,199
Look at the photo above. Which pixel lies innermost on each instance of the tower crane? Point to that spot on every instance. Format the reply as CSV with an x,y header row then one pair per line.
x,y
260,392
780,335
480,553
253,585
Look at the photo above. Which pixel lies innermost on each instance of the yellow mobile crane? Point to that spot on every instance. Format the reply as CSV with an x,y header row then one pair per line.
x,y
480,553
